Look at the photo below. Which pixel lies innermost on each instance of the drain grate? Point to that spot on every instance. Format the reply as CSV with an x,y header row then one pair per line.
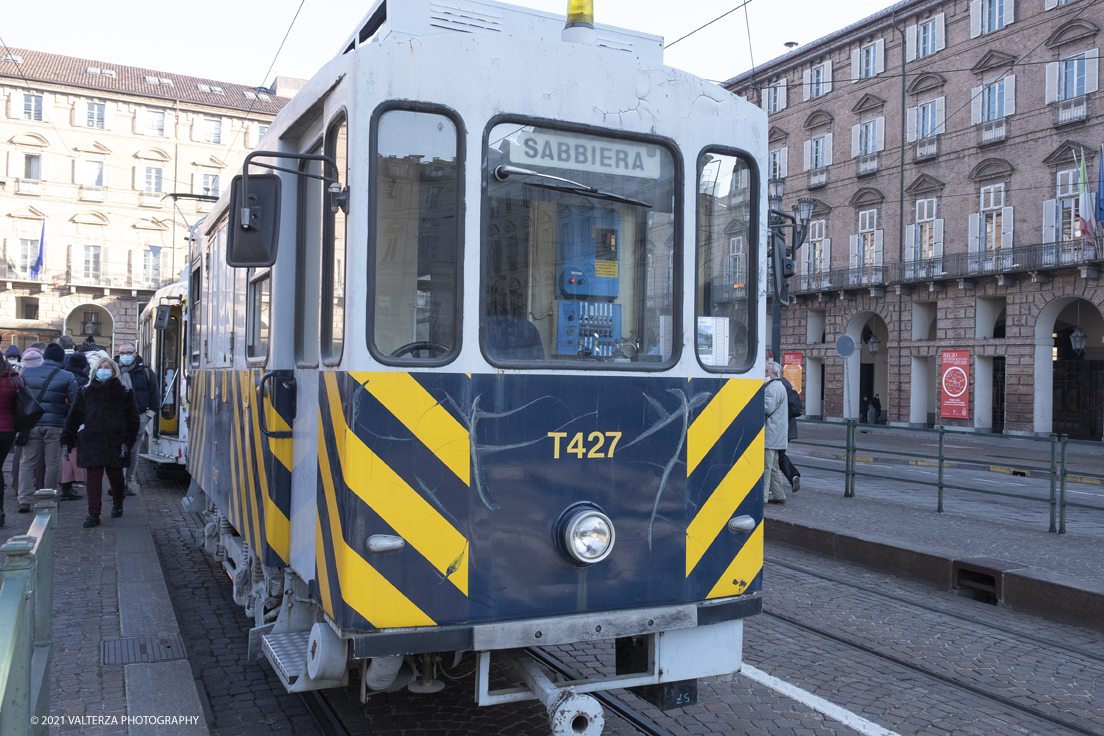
x,y
142,649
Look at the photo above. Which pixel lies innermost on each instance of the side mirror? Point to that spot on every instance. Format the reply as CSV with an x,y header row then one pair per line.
x,y
164,312
254,246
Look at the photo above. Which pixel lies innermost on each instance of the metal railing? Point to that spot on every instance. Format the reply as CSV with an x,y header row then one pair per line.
x,y
1019,259
1072,111
26,628
927,148
864,277
868,164
993,131
1058,471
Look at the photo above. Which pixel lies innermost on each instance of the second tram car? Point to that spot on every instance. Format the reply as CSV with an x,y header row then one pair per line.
x,y
475,362
161,343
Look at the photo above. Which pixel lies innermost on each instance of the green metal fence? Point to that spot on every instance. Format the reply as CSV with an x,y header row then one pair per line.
x,y
1058,471
26,629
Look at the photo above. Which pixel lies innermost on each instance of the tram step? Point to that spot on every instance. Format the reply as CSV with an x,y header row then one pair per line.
x,y
288,653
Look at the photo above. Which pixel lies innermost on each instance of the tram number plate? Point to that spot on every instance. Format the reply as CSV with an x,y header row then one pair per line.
x,y
595,445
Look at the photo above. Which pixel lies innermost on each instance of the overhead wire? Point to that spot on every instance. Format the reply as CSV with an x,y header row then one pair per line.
x,y
691,33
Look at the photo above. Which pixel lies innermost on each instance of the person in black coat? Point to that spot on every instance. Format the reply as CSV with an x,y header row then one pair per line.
x,y
138,376
106,409
876,403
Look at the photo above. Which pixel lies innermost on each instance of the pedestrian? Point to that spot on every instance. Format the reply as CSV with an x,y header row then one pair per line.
x,y
9,383
88,345
77,364
776,432
55,389
66,344
794,410
137,376
864,408
109,417
12,358
876,405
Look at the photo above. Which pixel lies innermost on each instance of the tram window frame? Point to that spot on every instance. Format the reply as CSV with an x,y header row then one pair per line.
x,y
751,245
256,278
677,252
306,346
195,293
326,327
461,211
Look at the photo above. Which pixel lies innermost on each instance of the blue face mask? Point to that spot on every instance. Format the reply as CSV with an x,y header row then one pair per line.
x,y
126,359
103,374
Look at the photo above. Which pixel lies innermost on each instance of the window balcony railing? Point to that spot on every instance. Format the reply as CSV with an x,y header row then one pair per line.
x,y
993,131
150,199
868,164
92,194
1020,259
1072,111
927,148
28,186
818,178
806,282
864,277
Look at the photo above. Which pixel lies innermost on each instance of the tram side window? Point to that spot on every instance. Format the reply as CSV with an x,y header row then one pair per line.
x,y
308,264
333,251
258,307
195,293
580,250
727,262
417,244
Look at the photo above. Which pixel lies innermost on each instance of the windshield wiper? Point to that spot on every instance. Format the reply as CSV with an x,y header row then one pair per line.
x,y
502,173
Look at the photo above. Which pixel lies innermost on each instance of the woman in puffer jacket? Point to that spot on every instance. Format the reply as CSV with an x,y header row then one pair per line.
x,y
107,410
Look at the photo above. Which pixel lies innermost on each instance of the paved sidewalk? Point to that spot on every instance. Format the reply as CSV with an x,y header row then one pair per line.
x,y
110,593
1060,577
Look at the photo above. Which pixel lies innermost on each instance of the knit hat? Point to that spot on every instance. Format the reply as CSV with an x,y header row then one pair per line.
x,y
32,357
12,351
77,361
89,345
54,352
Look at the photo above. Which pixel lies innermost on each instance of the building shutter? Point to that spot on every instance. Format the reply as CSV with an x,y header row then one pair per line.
x,y
44,166
879,56
1050,4
975,18
15,105
782,94
1010,94
136,178
854,252
15,164
48,108
140,120
764,99
974,242
1050,217
1092,70
1007,225
806,84
826,256
827,76
855,140
878,234
940,31
828,149
937,246
879,138
976,95
910,243
941,115
109,115
1009,12
911,117
1052,82
855,66
106,173
808,155
910,42
784,161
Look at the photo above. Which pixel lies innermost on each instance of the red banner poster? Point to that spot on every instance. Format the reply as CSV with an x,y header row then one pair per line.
x,y
791,369
954,385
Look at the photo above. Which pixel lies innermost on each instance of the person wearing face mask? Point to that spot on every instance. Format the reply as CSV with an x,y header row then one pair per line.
x,y
12,358
55,389
77,364
102,426
136,375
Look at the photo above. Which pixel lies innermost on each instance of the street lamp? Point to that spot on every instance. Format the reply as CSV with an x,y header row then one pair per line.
x,y
1078,340
805,209
775,189
873,343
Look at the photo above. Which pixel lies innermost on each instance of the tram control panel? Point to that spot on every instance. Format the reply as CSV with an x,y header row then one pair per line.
x,y
588,326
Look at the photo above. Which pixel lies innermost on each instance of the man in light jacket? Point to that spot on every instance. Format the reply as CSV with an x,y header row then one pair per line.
x,y
775,409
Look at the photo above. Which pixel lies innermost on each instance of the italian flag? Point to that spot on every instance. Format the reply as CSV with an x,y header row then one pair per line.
x,y
1085,206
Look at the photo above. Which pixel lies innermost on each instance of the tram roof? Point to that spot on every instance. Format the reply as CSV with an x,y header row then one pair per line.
x,y
389,19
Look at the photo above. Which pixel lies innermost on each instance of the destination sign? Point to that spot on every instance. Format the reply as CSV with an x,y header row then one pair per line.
x,y
577,153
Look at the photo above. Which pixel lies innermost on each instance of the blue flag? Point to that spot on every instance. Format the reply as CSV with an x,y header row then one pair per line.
x,y
37,267
1100,191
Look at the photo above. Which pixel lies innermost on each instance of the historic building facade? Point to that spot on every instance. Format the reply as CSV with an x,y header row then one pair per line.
x,y
90,150
942,142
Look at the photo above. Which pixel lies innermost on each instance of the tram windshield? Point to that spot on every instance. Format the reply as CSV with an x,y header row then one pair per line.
x,y
580,249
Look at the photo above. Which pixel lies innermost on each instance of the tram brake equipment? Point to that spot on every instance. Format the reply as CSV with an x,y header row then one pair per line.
x,y
254,242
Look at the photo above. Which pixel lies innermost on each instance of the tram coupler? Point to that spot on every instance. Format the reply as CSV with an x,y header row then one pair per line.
x,y
569,712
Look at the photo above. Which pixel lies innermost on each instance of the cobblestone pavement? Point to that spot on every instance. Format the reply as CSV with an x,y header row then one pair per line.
x,y
247,698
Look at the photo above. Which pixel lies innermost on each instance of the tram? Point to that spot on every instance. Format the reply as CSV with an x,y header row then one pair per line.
x,y
475,363
161,343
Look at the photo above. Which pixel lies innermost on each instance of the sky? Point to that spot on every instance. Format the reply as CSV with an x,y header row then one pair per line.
x,y
236,41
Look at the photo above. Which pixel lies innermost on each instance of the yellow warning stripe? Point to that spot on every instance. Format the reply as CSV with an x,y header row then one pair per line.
x,y
711,518
277,526
362,586
280,448
744,568
403,508
716,418
320,562
423,415
246,462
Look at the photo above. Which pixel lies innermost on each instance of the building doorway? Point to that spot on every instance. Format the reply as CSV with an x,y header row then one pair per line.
x,y
868,366
1069,369
999,369
91,320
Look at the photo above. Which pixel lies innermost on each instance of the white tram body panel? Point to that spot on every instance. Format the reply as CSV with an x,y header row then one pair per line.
x,y
293,474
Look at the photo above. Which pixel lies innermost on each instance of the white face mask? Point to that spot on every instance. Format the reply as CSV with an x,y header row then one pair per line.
x,y
12,362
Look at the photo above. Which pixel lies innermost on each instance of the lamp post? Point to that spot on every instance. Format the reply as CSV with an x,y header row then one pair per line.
x,y
873,343
781,258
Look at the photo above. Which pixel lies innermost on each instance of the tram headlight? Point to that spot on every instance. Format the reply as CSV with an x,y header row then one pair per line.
x,y
589,536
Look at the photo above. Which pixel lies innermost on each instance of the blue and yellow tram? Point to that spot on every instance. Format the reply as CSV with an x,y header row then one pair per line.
x,y
475,360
